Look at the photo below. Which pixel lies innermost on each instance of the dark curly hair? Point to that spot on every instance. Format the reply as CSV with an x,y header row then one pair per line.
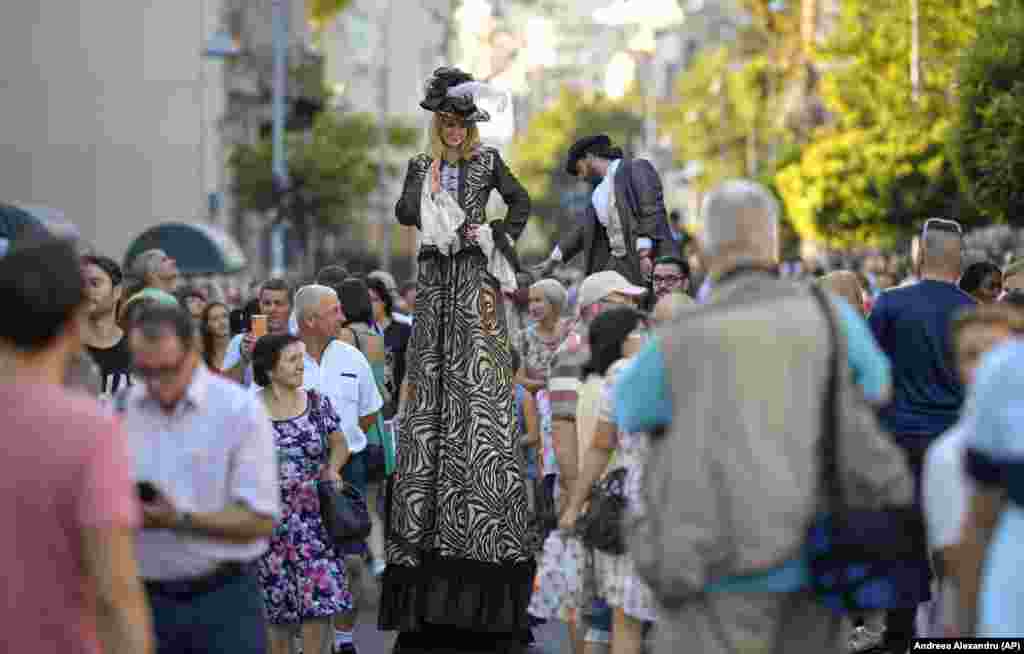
x,y
266,353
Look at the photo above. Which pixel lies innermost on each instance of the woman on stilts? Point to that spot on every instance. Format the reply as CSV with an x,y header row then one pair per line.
x,y
459,559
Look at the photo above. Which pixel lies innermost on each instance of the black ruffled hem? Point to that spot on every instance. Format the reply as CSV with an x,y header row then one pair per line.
x,y
489,599
458,641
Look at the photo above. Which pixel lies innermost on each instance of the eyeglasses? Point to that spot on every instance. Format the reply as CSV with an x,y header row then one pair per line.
x,y
662,280
617,301
943,225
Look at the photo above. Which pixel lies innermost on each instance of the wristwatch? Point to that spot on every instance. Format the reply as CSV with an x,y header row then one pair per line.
x,y
184,522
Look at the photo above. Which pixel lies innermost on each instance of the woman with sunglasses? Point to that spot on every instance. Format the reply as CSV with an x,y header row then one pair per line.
x,y
459,559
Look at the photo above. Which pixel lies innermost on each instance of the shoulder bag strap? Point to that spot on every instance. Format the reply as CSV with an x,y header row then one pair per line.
x,y
317,417
355,336
830,478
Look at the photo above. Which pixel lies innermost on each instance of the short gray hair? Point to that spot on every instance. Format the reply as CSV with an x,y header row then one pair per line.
x,y
145,263
308,299
739,212
553,291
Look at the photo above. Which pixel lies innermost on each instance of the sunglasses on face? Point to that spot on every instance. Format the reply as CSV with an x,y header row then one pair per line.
x,y
941,224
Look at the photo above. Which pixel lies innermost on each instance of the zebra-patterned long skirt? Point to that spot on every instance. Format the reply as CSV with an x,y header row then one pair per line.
x,y
459,547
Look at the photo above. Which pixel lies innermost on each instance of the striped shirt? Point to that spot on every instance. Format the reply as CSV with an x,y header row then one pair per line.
x,y
564,378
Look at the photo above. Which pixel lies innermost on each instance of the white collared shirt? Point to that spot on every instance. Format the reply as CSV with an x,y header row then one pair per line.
x,y
602,196
216,448
345,377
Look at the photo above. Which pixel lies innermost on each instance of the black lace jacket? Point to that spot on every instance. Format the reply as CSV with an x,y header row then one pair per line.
x,y
478,176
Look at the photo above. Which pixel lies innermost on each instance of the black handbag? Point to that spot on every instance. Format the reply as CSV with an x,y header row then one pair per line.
x,y
600,526
853,552
342,507
344,513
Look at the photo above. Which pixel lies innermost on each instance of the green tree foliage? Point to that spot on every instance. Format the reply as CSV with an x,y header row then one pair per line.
x,y
987,145
333,169
879,167
738,107
539,153
726,117
321,12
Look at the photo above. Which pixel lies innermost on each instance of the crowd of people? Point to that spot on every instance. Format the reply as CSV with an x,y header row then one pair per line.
x,y
637,451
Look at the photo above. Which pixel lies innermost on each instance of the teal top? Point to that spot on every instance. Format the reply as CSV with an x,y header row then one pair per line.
x,y
378,434
643,401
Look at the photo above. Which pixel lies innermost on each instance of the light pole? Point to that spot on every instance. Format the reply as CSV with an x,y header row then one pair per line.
x,y
384,78
279,164
280,34
221,46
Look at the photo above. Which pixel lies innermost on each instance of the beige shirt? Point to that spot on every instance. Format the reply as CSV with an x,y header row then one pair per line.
x,y
588,413
216,448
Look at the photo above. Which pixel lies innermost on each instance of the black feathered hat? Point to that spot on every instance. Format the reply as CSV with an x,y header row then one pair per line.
x,y
440,98
600,145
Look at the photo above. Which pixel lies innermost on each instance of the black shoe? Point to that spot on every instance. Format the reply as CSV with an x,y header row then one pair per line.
x,y
345,649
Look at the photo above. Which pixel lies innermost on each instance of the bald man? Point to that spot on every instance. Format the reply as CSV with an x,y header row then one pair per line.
x,y
912,326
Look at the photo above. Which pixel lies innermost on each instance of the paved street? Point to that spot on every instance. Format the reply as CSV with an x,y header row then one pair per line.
x,y
369,640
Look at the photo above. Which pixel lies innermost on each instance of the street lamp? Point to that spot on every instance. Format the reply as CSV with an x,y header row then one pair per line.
x,y
222,45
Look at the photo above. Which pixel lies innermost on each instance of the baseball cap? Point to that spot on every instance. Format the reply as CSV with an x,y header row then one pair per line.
x,y
600,285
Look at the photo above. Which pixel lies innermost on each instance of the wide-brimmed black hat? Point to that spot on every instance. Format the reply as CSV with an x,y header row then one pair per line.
x,y
439,100
599,144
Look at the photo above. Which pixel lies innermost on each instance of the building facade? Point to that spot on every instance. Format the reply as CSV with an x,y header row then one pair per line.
x,y
112,123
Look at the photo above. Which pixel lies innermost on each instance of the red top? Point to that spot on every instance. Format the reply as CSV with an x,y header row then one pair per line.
x,y
64,467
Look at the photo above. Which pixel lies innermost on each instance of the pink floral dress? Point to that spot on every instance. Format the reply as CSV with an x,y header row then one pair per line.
x,y
301,575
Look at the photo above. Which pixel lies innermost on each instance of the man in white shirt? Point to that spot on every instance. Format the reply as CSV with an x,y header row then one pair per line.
x,y
342,374
207,471
945,485
275,298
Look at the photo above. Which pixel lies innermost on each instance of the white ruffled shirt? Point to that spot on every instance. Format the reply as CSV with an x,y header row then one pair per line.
x,y
601,198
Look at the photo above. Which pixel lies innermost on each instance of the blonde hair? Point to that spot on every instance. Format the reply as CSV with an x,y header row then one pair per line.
x,y
996,315
439,150
846,285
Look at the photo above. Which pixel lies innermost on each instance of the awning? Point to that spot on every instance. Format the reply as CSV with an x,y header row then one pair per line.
x,y
199,249
15,222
